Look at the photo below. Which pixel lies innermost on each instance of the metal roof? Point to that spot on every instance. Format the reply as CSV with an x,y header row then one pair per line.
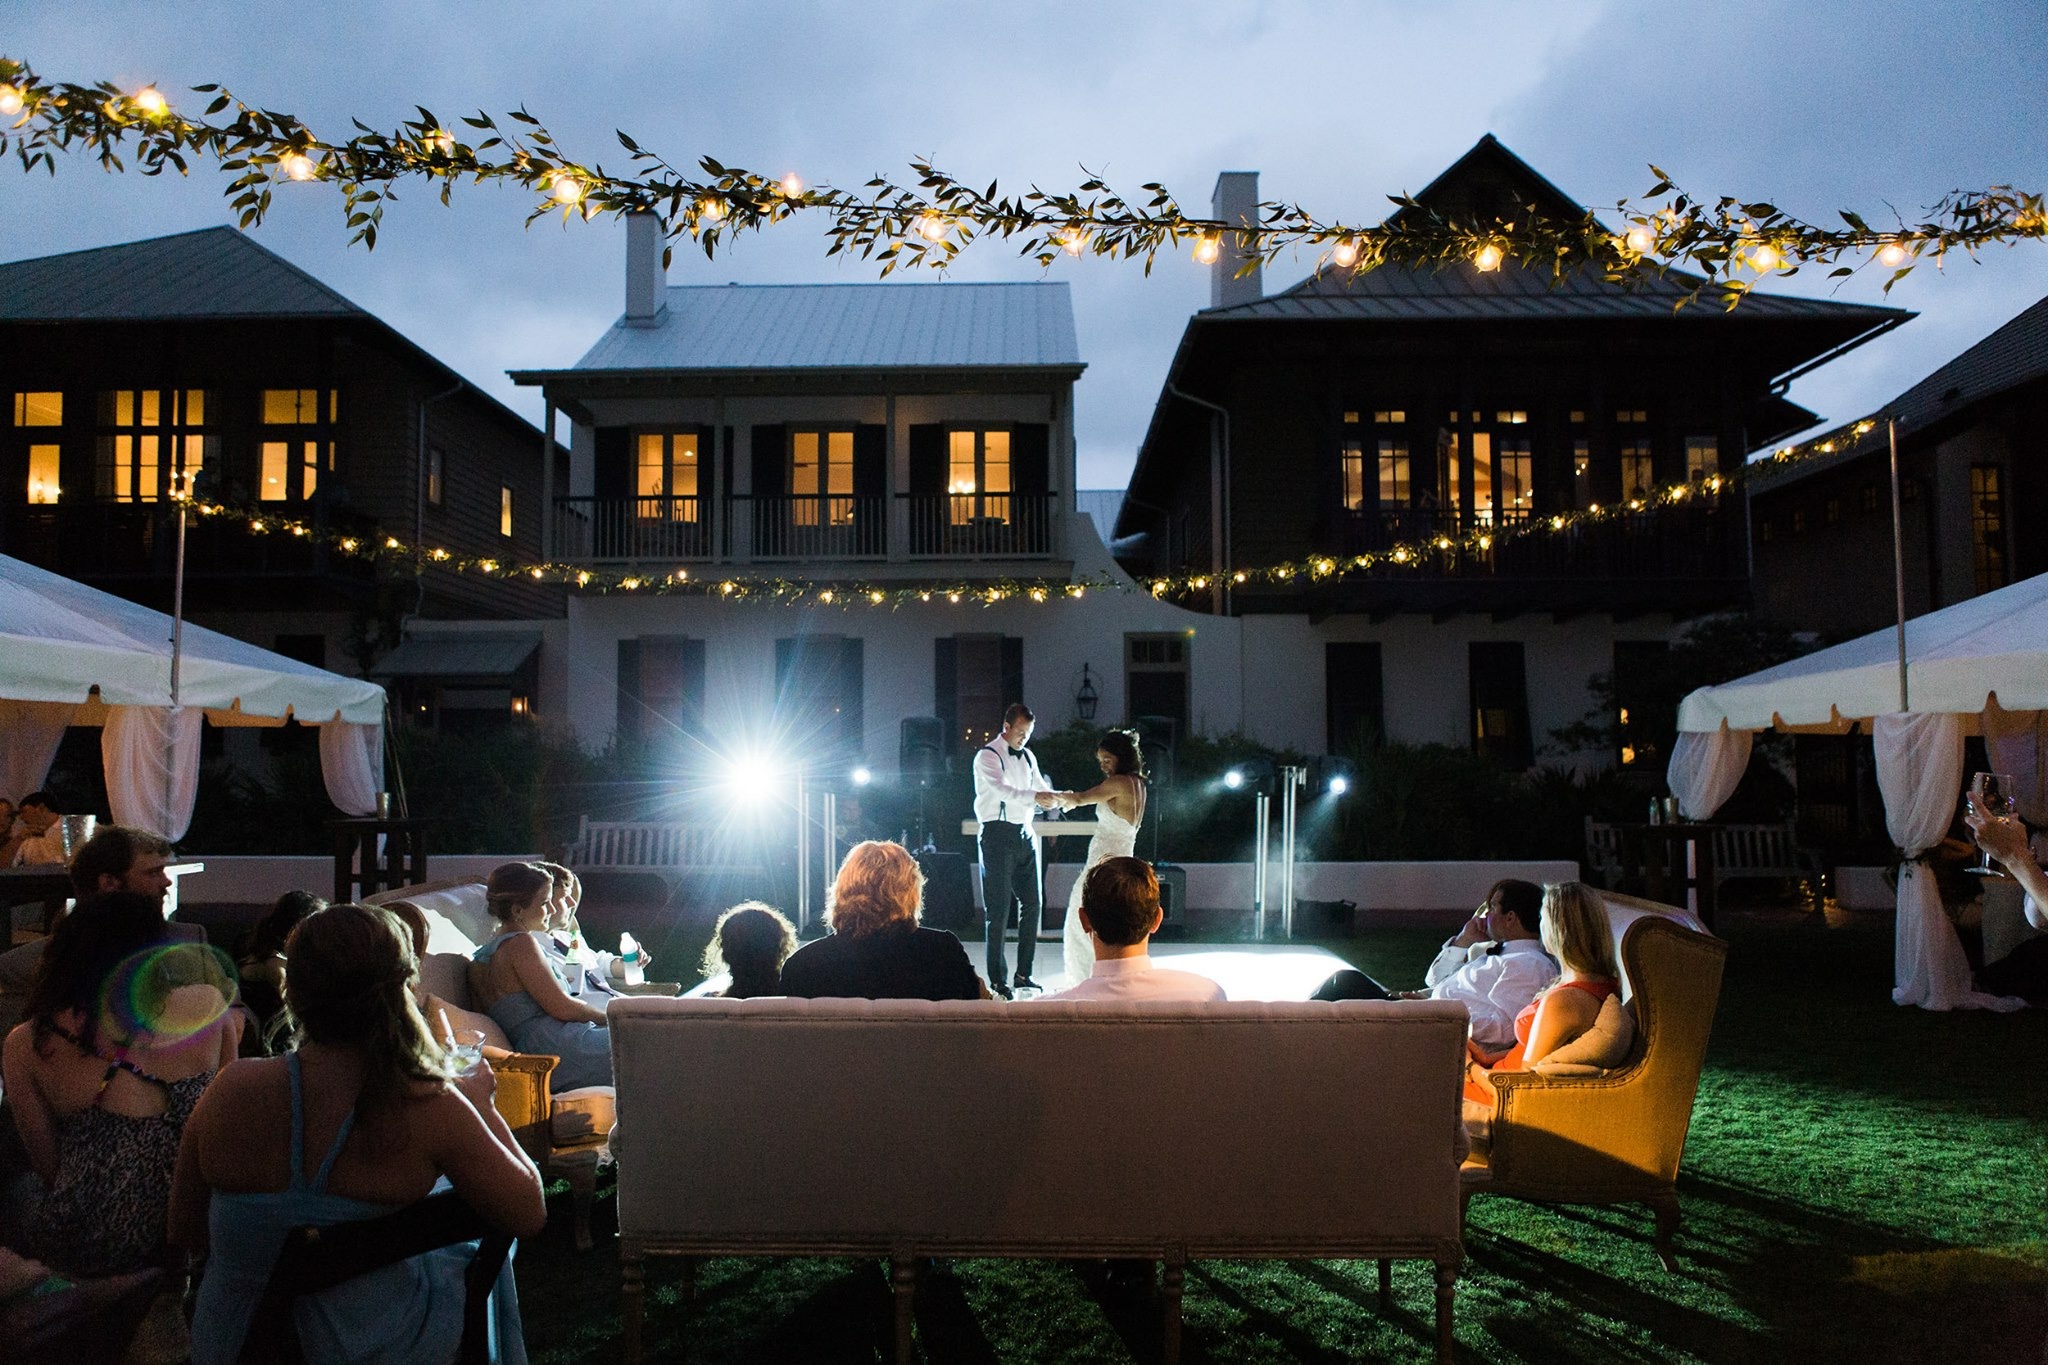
x,y
458,656
214,272
847,326
2015,354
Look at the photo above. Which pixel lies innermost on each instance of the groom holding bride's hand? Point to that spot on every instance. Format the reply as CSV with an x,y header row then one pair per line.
x,y
1008,790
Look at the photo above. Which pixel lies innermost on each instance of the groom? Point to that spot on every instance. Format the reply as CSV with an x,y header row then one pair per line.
x,y
1008,790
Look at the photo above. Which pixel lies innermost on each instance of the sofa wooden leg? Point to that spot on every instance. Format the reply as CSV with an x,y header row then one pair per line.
x,y
633,1290
903,1279
1386,1283
1446,1293
582,1196
1665,1207
1172,1286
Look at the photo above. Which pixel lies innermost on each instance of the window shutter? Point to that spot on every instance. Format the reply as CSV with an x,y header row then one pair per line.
x,y
870,461
612,470
946,689
1031,458
629,688
1013,668
771,461
928,460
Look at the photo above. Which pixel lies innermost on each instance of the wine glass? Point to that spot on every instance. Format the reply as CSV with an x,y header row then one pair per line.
x,y
1990,798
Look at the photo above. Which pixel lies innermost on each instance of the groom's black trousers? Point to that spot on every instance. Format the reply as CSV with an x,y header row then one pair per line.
x,y
1009,876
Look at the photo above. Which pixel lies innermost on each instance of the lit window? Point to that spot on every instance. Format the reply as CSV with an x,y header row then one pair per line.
x,y
436,465
665,473
821,477
1351,419
291,465
1578,417
1354,476
42,474
1987,525
1513,470
1511,417
1582,473
977,476
296,407
149,439
39,409
1395,487
1637,477
504,511
1627,415
1702,458
1389,417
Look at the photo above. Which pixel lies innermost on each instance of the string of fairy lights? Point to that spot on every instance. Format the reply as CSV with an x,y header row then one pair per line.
x,y
1733,244
725,583
1730,243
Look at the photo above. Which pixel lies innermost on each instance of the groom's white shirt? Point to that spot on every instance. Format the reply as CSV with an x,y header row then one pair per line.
x,y
1003,785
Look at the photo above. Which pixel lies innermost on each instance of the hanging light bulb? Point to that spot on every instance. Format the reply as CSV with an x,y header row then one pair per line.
x,y
1764,258
567,188
1208,249
1641,240
710,208
1891,253
931,227
792,186
10,99
1487,258
297,166
1073,240
1345,253
150,102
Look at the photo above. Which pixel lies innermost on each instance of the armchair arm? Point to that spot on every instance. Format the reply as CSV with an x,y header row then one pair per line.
x,y
1558,1135
525,1100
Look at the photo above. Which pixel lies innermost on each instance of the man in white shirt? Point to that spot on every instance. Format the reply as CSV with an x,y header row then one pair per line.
x,y
1008,791
40,840
1120,910
1494,966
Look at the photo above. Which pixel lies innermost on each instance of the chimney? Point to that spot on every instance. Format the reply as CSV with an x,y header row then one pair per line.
x,y
646,280
1236,201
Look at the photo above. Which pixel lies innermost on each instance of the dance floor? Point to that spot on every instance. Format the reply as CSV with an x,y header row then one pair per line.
x,y
1246,971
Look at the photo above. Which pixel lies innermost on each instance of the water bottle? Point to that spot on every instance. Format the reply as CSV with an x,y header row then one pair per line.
x,y
630,968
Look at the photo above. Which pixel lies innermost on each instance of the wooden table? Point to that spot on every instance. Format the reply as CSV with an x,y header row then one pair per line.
x,y
372,855
1670,863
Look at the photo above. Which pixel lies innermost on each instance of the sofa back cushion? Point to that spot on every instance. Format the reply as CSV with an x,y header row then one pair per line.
x,y
1080,1125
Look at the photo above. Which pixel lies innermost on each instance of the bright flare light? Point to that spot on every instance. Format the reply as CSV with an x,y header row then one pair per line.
x,y
150,102
1488,257
793,186
296,166
1207,250
1641,239
862,776
567,189
1339,785
1891,253
749,777
1234,779
1345,253
10,100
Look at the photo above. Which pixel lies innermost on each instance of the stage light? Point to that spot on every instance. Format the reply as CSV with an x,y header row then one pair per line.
x,y
1339,785
1234,779
862,776
1335,775
750,777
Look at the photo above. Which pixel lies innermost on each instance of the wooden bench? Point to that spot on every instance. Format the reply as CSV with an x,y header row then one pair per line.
x,y
1765,851
653,846
1168,1132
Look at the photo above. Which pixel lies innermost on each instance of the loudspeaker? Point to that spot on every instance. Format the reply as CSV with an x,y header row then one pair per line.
x,y
921,751
1173,894
1158,739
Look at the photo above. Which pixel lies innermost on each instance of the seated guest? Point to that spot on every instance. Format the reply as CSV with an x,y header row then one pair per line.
x,y
750,942
124,1030
442,1017
877,950
1120,910
114,859
261,964
37,838
365,1117
1494,966
518,979
1578,935
2024,970
589,968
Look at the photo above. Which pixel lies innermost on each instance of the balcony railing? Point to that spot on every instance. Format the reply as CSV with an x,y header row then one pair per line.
x,y
1699,539
589,529
100,541
980,525
822,526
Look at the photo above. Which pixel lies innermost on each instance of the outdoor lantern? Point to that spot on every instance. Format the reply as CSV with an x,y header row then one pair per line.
x,y
1087,697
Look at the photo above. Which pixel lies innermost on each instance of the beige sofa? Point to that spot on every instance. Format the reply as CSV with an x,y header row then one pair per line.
x,y
909,1128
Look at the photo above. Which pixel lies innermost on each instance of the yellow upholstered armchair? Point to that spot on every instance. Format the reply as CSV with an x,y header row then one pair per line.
x,y
1586,1134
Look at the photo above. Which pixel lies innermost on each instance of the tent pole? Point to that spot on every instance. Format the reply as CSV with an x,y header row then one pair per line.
x,y
178,592
1898,557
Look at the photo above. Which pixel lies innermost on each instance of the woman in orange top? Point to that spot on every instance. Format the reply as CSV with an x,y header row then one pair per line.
x,y
1577,934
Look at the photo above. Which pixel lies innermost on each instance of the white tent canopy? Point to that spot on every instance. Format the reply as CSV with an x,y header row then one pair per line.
x,y
1980,666
71,655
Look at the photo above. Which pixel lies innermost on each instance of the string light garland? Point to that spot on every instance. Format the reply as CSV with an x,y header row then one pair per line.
x,y
1731,243
856,594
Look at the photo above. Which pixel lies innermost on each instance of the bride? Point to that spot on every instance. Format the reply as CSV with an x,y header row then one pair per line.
x,y
1119,801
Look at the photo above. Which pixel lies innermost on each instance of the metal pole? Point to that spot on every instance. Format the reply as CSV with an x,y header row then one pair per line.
x,y
828,839
1898,556
1261,838
1290,778
803,856
178,590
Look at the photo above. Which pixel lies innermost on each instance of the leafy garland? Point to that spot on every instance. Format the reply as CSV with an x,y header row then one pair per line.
x,y
1731,243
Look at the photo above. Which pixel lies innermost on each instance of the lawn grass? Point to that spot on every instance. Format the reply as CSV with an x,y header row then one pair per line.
x,y
1863,1183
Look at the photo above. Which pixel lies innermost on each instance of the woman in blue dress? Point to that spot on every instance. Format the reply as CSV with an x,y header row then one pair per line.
x,y
364,1117
517,978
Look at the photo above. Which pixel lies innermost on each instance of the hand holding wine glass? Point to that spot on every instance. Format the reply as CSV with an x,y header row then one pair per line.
x,y
1990,798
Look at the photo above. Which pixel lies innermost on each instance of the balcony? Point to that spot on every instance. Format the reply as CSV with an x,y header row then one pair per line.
x,y
816,527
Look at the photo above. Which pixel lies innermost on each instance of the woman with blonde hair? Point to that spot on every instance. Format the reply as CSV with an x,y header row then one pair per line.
x,y
750,943
519,977
365,1116
1577,933
877,949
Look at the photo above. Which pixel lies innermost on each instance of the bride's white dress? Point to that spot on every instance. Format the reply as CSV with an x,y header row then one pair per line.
x,y
1117,838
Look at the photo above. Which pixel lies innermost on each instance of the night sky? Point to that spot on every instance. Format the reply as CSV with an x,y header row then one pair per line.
x,y
1814,106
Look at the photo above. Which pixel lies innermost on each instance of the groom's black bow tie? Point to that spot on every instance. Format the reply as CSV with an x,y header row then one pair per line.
x,y
1016,753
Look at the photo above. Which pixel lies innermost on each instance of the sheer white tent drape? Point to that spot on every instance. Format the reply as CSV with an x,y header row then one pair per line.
x,y
352,764
30,732
1705,769
152,761
1919,770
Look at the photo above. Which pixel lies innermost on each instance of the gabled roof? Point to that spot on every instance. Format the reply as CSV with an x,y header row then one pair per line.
x,y
2015,354
844,326
213,272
